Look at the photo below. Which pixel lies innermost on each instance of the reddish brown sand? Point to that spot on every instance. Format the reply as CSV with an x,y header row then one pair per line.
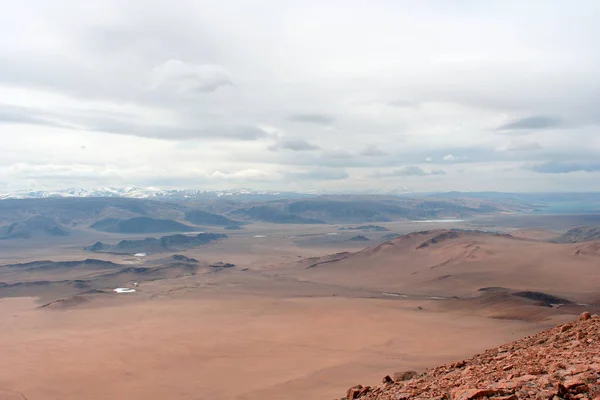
x,y
288,331
227,346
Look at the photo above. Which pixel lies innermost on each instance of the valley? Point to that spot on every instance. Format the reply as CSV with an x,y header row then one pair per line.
x,y
286,310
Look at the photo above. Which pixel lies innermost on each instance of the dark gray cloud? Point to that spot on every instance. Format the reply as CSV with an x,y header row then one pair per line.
x,y
532,123
341,154
123,124
565,167
23,115
320,119
373,151
294,145
410,170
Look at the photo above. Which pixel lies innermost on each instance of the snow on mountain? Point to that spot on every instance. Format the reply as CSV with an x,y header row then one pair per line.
x,y
136,192
140,193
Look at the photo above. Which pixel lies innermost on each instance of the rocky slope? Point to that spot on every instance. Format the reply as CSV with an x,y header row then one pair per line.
x,y
579,234
560,363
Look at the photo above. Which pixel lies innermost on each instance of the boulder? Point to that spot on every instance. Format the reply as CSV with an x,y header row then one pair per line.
x,y
404,375
353,392
584,316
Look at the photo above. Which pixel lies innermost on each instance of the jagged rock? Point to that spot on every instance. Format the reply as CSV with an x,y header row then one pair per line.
x,y
353,392
404,375
584,316
468,394
562,363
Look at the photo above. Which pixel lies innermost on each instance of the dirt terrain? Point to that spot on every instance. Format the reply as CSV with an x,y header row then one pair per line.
x,y
303,315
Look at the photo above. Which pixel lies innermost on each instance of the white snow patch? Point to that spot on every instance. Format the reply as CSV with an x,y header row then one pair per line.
x,y
123,290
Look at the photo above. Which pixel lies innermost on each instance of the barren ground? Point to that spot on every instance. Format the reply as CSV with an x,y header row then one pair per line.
x,y
279,330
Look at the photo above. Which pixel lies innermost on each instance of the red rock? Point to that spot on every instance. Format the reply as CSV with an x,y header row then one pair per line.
x,y
584,316
404,375
573,382
468,394
364,391
510,397
387,379
353,392
536,367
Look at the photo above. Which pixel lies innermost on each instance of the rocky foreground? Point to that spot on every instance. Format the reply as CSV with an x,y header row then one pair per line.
x,y
560,363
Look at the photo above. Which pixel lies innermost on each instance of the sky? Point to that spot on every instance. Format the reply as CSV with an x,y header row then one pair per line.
x,y
386,95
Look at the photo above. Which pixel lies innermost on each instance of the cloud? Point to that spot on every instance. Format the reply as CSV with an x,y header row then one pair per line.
x,y
294,145
532,123
450,158
515,145
178,89
23,115
338,153
373,151
184,78
247,174
403,103
318,175
565,167
124,124
319,119
407,171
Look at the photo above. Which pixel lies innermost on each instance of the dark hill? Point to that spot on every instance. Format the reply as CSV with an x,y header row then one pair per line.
x,y
579,234
370,228
140,225
275,215
152,245
31,227
199,217
47,264
359,238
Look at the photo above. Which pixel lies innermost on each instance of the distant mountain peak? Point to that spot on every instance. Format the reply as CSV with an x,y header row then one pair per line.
x,y
141,193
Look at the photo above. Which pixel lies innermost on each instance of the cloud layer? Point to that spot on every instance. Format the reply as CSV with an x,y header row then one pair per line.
x,y
303,96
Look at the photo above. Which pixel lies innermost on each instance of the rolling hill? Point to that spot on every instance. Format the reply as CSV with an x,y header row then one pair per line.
x,y
451,263
198,217
579,234
33,227
153,245
140,225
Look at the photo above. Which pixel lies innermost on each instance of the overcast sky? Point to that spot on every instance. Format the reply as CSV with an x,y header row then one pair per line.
x,y
300,95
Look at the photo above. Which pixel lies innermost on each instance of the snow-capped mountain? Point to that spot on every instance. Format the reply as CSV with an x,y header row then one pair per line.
x,y
144,193
136,192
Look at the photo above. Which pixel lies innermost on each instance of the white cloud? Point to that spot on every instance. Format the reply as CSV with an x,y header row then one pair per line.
x,y
171,93
517,145
293,145
189,79
408,171
373,151
450,158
